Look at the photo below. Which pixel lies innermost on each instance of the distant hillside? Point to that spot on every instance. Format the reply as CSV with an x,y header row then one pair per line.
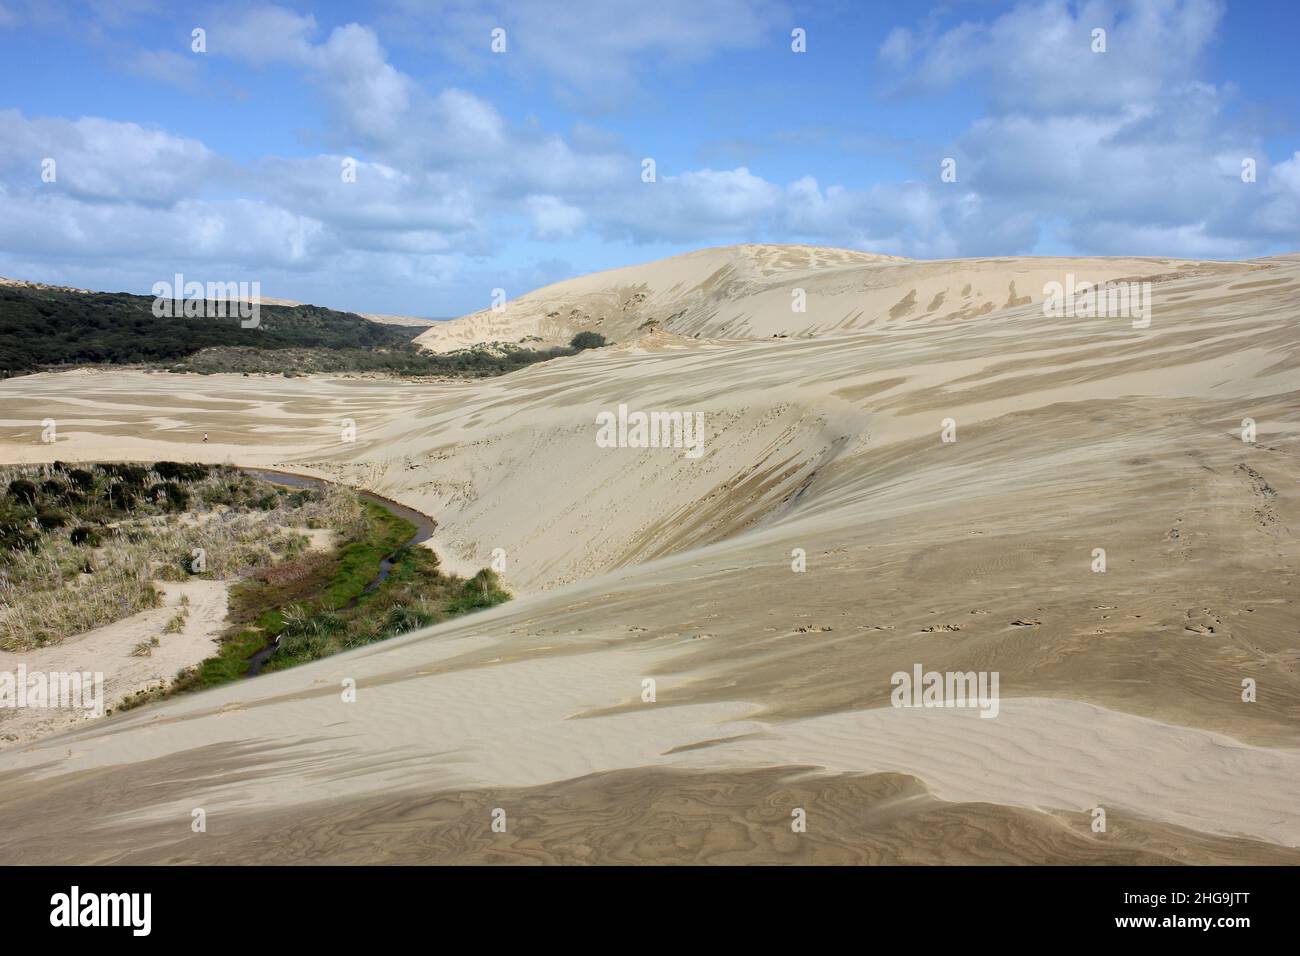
x,y
48,328
382,318
410,320
45,327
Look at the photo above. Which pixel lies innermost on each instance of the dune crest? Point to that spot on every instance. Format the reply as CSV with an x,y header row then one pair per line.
x,y
764,291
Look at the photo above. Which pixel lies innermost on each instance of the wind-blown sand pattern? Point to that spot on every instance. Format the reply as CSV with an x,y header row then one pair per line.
x,y
1120,690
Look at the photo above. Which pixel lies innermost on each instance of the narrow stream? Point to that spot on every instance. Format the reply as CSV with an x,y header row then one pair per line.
x,y
424,526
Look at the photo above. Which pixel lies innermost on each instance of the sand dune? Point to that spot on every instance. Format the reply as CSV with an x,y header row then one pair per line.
x,y
1120,690
761,291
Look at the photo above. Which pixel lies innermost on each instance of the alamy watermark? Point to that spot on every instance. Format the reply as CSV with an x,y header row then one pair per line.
x,y
75,908
73,690
626,429
923,688
216,300
1108,300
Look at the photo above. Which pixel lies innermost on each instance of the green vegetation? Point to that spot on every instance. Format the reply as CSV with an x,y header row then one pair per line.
x,y
370,587
587,340
318,606
81,547
407,361
47,329
359,561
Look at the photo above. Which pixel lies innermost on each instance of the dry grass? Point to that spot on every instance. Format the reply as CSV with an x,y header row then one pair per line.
x,y
62,589
42,603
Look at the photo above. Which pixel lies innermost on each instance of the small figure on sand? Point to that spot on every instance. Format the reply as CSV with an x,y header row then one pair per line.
x,y
205,436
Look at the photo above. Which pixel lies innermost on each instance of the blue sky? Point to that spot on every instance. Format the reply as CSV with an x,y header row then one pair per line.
x,y
479,170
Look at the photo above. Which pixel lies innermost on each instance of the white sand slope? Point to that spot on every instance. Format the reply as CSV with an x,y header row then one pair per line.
x,y
521,723
762,291
1121,689
112,650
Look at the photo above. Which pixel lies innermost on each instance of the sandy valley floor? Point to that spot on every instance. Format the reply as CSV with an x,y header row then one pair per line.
x,y
1119,690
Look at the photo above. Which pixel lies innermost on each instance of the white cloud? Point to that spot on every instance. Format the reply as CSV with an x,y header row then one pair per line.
x,y
240,234
592,51
104,160
468,127
166,66
554,219
1119,151
897,48
370,96
1143,157
260,35
1039,56
1287,175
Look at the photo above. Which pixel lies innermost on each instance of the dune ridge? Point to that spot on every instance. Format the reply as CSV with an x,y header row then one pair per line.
x,y
1120,688
758,291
